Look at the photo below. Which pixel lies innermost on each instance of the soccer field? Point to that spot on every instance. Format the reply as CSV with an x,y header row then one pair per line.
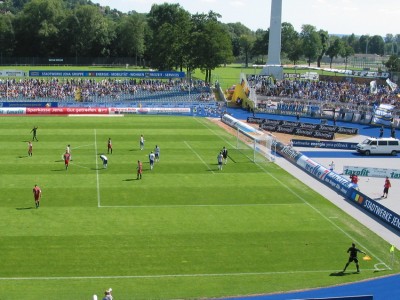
x,y
185,230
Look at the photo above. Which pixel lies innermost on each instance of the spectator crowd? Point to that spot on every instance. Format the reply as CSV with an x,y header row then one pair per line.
x,y
66,89
325,91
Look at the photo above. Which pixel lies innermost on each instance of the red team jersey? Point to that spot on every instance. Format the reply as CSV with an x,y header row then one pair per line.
x,y
140,168
36,192
66,158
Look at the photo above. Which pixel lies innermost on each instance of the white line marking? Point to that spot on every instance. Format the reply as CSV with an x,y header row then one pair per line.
x,y
172,275
82,146
187,144
213,131
79,165
97,170
201,205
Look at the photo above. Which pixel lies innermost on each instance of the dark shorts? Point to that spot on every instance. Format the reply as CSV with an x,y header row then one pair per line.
x,y
355,259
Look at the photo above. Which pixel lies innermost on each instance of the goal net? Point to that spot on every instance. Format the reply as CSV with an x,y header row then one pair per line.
x,y
256,146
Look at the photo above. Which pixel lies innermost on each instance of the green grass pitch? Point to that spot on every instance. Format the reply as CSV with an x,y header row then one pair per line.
x,y
186,230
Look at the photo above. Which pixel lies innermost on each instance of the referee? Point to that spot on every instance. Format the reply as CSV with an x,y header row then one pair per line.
x,y
353,257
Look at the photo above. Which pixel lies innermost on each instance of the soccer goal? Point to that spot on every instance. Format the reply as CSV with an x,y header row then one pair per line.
x,y
257,147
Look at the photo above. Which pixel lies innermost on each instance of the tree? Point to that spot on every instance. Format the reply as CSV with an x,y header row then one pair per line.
x,y
94,33
353,42
130,36
210,43
246,44
236,30
289,37
393,64
364,42
38,28
7,35
170,25
335,48
346,52
389,38
260,46
296,51
397,41
311,41
324,37
377,45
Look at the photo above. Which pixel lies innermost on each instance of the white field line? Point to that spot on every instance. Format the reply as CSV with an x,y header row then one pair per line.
x,y
76,165
214,132
200,205
187,144
81,146
97,170
62,154
310,205
173,275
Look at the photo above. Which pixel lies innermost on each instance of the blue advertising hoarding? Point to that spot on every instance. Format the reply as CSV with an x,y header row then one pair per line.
x,y
131,74
324,144
29,104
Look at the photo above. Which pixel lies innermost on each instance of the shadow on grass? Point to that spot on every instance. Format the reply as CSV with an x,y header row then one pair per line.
x,y
130,179
24,156
23,208
59,170
341,273
97,169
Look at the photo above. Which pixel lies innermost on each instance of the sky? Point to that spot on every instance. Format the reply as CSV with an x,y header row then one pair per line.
x,y
361,17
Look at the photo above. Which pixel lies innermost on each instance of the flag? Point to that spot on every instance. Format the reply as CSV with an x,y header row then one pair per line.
x,y
392,249
392,85
373,87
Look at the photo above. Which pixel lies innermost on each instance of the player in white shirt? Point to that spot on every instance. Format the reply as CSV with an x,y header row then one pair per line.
x,y
68,150
220,159
141,142
157,153
105,161
152,157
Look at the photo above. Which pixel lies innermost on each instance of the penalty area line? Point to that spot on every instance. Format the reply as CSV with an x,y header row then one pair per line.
x,y
187,144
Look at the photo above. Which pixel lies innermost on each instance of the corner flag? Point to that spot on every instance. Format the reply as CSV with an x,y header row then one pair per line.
x,y
392,249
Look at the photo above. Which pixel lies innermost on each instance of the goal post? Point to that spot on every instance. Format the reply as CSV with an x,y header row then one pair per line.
x,y
256,147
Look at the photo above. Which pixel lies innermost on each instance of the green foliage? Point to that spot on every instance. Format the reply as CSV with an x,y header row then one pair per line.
x,y
185,230
335,48
393,64
166,38
311,42
324,37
